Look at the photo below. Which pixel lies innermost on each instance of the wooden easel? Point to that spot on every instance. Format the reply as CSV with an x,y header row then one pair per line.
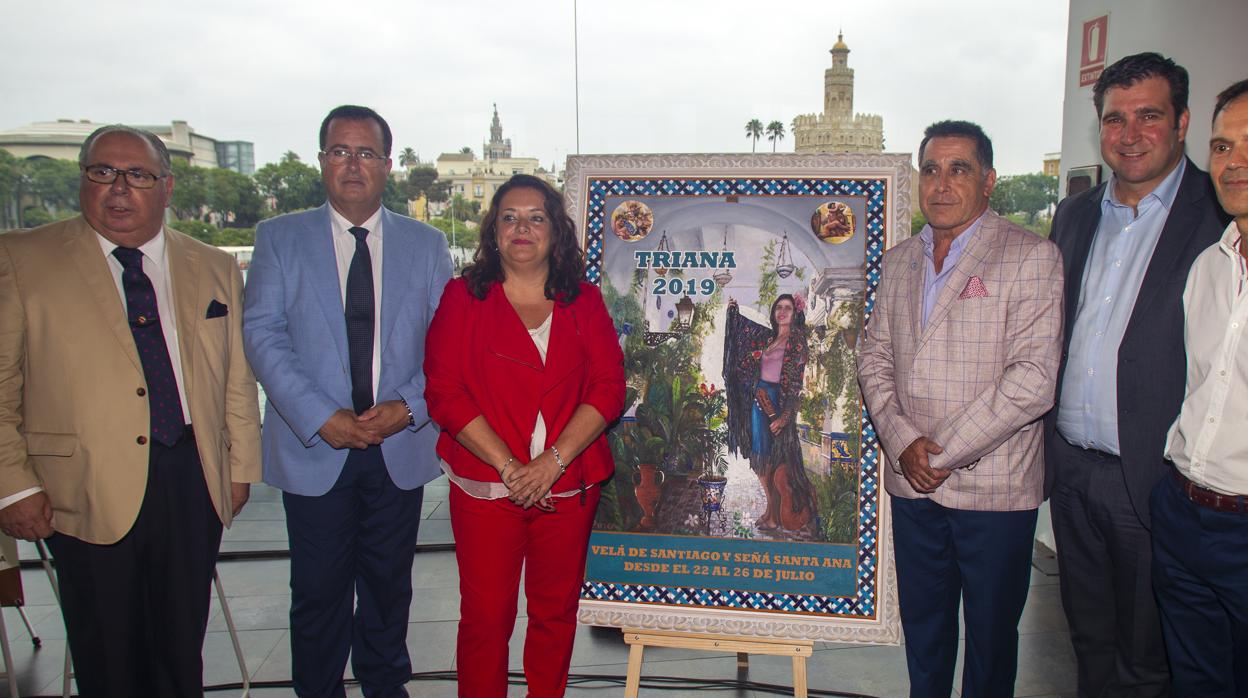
x,y
638,640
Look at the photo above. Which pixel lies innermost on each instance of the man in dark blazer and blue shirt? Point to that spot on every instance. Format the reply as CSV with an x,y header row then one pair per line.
x,y
1127,246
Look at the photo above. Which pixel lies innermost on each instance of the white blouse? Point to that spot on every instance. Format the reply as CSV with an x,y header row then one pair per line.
x,y
541,339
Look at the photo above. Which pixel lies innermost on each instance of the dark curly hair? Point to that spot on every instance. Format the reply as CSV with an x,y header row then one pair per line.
x,y
1129,70
799,317
567,261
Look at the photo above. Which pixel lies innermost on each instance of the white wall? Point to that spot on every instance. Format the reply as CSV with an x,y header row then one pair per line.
x,y
1208,37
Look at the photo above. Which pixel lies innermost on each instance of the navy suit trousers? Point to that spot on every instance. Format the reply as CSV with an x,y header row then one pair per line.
x,y
983,560
1200,575
136,610
354,543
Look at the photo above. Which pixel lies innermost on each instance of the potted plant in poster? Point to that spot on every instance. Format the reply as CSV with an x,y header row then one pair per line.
x,y
645,450
713,481
710,439
668,421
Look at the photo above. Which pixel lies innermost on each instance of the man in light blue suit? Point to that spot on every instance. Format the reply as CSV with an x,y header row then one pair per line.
x,y
338,300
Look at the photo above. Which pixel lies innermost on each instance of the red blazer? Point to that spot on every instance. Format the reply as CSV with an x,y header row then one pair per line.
x,y
480,360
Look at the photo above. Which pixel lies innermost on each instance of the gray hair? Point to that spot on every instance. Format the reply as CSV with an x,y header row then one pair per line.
x,y
152,139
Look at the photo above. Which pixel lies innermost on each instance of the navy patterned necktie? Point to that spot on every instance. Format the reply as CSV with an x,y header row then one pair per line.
x,y
360,314
141,311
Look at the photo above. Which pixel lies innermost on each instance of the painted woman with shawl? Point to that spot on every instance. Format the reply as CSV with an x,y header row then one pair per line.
x,y
763,368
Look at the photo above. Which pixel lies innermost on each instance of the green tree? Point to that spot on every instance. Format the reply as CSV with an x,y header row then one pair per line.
x,y
753,131
917,221
465,209
34,216
1041,226
204,232
36,191
457,234
293,185
11,174
775,133
419,181
439,191
233,197
230,198
54,183
190,191
395,196
408,158
1028,194
465,150
235,237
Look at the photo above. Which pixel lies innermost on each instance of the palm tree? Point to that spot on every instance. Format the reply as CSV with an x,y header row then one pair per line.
x,y
753,131
408,158
775,132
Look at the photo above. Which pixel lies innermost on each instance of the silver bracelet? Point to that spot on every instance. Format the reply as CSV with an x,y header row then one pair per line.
x,y
563,468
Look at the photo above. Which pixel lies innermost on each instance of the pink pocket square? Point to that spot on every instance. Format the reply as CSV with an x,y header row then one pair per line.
x,y
974,289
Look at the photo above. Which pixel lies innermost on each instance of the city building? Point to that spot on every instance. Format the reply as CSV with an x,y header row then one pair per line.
x,y
239,156
1052,164
838,129
498,148
62,139
477,179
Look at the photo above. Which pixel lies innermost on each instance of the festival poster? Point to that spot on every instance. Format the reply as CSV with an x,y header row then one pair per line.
x,y
746,494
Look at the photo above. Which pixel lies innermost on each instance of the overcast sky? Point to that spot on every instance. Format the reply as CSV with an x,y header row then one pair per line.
x,y
655,76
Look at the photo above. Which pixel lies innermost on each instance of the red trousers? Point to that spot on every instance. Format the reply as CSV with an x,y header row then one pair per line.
x,y
493,540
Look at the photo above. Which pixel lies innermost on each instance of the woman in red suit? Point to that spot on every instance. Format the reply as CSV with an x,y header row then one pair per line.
x,y
524,371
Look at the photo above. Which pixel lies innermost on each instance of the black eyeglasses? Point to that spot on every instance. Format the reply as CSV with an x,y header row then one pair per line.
x,y
103,174
366,158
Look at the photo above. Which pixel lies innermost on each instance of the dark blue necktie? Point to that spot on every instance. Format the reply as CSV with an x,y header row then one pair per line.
x,y
162,388
360,313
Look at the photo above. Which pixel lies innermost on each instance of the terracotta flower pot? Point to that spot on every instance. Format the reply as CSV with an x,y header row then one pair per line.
x,y
648,488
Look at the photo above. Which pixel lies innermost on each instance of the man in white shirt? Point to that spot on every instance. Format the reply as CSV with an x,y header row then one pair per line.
x,y
1200,512
129,427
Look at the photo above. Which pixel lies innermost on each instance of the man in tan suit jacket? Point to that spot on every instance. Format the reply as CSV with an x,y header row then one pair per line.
x,y
125,441
957,365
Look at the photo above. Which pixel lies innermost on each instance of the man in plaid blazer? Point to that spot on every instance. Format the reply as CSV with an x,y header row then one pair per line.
x,y
957,365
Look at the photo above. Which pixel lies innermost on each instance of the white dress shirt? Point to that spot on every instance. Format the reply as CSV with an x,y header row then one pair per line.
x,y
344,252
156,266
1206,441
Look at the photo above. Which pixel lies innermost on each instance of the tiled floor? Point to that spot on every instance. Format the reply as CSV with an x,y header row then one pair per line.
x,y
259,599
